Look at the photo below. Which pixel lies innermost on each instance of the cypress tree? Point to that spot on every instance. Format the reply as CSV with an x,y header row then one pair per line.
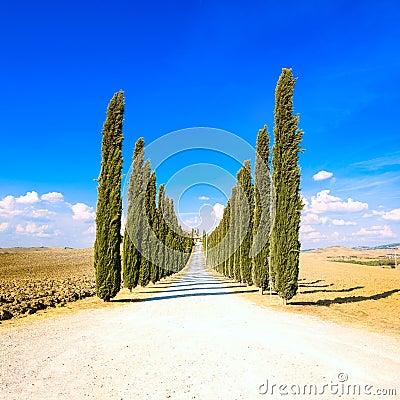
x,y
145,264
262,211
232,234
152,215
246,208
204,240
174,244
225,248
131,256
169,237
161,231
287,204
238,229
107,257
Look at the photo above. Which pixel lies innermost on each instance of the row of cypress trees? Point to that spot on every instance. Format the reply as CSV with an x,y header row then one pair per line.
x,y
257,240
154,244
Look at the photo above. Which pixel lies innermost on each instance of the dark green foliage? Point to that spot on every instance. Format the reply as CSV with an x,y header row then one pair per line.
x,y
232,234
225,248
151,215
218,244
145,264
258,235
131,256
107,258
262,211
230,242
237,230
374,263
161,231
204,241
287,204
245,221
175,245
155,245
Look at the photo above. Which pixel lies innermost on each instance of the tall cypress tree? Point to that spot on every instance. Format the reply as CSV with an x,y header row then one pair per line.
x,y
225,248
238,199
131,256
262,211
232,234
161,231
246,209
152,215
287,204
145,264
107,257
168,259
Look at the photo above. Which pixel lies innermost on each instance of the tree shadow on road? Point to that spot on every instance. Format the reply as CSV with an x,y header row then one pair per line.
x,y
309,283
190,282
331,290
343,300
175,289
177,296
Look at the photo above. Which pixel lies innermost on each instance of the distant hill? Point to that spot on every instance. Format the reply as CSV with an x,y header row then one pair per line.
x,y
389,246
381,247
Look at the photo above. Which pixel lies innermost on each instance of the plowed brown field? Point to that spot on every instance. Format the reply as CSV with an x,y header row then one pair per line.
x,y
37,278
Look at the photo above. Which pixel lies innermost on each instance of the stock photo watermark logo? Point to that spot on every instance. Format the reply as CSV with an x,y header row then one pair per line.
x,y
340,387
163,150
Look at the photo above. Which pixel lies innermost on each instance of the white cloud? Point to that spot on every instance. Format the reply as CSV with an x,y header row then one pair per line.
x,y
342,222
324,202
46,220
314,236
29,198
52,197
11,206
33,229
377,230
4,226
8,207
218,210
393,215
83,212
43,214
204,198
368,215
306,228
335,235
313,219
91,230
7,203
321,175
373,213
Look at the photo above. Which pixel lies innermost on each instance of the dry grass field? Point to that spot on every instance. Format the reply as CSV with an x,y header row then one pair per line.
x,y
359,295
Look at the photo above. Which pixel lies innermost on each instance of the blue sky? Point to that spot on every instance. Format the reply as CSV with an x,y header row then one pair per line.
x,y
184,64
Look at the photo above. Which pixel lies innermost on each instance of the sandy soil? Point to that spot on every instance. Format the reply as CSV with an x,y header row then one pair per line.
x,y
356,295
195,340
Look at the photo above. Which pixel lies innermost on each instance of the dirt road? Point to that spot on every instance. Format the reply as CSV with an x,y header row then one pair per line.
x,y
195,340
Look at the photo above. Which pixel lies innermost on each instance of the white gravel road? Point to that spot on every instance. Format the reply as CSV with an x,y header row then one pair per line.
x,y
196,340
